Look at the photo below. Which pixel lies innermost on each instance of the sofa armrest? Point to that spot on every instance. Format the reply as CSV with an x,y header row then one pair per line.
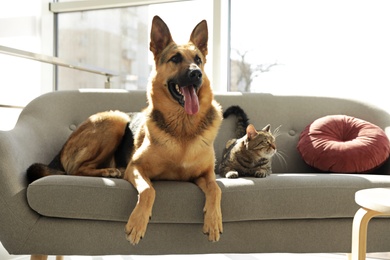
x,y
41,130
16,217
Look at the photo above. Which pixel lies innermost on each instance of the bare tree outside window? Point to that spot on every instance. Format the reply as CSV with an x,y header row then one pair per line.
x,y
243,72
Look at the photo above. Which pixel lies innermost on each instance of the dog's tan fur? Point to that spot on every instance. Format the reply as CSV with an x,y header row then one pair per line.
x,y
93,144
175,142
173,145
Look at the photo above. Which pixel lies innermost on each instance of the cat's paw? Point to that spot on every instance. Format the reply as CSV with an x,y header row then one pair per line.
x,y
232,175
113,173
261,174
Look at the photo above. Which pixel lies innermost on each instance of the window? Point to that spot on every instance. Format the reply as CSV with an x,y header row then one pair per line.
x,y
305,47
21,79
283,47
118,39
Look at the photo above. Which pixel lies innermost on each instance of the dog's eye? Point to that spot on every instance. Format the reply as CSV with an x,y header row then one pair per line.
x,y
198,60
176,58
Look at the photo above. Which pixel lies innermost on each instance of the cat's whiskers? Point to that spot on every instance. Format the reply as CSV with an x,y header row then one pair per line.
x,y
276,131
281,158
279,154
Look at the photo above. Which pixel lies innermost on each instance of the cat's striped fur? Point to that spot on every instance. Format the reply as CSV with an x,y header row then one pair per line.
x,y
250,153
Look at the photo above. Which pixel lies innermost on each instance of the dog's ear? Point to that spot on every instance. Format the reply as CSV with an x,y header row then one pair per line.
x,y
200,36
160,36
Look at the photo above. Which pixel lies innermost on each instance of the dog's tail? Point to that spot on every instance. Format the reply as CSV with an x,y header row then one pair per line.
x,y
39,170
242,119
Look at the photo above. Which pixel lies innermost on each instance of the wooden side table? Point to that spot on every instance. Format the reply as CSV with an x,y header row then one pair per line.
x,y
374,202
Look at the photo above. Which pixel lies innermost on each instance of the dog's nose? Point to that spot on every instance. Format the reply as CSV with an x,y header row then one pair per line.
x,y
195,74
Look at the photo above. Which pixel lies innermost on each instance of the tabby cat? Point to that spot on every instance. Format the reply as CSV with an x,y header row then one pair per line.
x,y
250,153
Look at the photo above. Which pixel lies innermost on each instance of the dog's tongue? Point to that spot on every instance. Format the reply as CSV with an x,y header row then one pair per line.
x,y
191,104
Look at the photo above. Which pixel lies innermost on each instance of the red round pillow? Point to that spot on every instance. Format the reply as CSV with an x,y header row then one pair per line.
x,y
341,143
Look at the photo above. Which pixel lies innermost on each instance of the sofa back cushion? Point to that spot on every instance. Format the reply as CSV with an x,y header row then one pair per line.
x,y
293,113
53,116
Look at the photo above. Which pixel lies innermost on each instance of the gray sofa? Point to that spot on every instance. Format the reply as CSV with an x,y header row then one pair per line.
x,y
296,209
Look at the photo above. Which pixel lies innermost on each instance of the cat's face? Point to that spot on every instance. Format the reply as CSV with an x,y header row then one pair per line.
x,y
261,142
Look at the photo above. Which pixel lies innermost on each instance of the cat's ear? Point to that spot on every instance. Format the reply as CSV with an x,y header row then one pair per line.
x,y
267,128
251,131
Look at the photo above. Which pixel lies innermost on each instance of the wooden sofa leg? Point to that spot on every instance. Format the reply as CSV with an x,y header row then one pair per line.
x,y
38,257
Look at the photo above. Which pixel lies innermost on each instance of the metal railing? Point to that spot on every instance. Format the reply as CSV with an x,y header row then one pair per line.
x,y
60,62
9,106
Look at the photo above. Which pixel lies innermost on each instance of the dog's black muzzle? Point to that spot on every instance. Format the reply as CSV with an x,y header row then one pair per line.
x,y
192,78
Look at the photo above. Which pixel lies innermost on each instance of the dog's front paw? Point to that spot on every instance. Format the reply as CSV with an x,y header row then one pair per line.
x,y
213,226
136,227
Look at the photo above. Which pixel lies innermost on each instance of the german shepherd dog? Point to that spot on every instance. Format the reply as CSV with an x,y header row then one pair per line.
x,y
173,140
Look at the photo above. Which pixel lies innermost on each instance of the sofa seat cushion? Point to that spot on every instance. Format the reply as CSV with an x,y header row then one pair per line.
x,y
279,196
340,143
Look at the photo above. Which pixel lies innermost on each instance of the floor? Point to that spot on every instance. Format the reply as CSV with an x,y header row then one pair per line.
x,y
376,256
372,256
230,257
